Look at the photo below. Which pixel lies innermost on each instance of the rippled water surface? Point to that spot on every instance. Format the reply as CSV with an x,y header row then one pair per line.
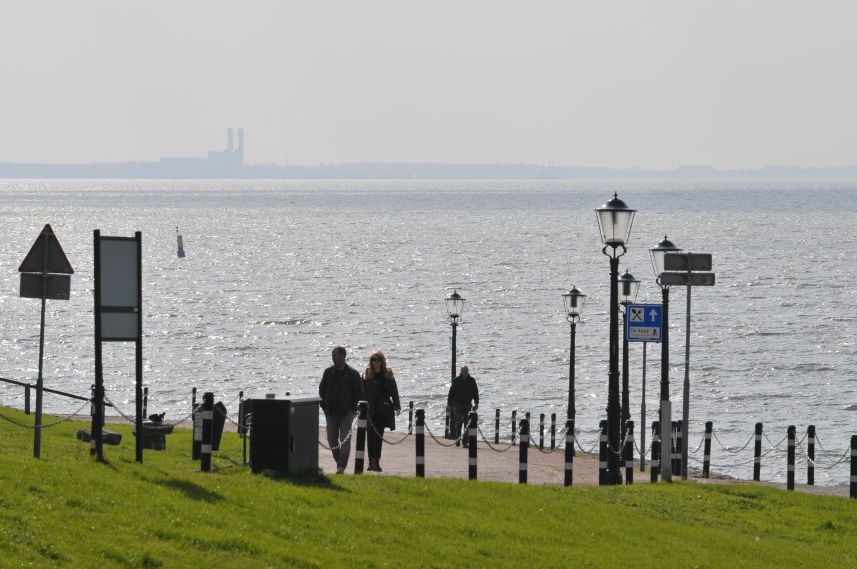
x,y
278,272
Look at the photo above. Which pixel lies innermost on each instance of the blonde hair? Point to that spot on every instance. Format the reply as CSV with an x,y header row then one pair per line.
x,y
369,372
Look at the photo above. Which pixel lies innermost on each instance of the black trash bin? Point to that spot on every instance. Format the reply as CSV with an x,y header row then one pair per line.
x,y
284,434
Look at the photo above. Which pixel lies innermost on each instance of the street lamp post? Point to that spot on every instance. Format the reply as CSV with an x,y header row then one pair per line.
x,y
614,223
627,295
454,307
658,252
573,301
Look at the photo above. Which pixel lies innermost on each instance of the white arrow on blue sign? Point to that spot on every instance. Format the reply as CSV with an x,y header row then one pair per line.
x,y
643,322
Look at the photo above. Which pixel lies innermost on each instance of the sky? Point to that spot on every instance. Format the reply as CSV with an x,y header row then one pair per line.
x,y
629,83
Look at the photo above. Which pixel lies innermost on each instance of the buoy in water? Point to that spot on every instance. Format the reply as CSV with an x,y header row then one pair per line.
x,y
180,251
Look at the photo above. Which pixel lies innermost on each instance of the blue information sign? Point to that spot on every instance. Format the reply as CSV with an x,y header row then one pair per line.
x,y
644,322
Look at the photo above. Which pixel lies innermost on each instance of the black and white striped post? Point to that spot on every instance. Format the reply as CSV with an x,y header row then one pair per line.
x,y
196,444
92,414
514,425
655,462
193,399
602,454
410,417
853,489
706,457
629,452
790,475
679,441
145,402
26,400
447,431
542,431
522,452
757,457
569,453
810,453
421,443
207,414
242,426
496,426
360,456
553,431
471,446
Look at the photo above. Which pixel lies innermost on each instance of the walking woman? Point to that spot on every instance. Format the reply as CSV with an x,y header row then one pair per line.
x,y
383,397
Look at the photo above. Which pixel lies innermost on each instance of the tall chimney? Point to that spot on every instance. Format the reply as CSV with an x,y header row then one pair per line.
x,y
229,140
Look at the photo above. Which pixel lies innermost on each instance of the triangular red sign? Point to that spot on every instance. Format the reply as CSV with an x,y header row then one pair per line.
x,y
46,255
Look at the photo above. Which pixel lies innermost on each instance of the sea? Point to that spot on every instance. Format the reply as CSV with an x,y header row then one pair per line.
x,y
278,272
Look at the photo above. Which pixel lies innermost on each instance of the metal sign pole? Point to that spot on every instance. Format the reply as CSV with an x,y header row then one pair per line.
x,y
97,417
37,432
643,414
686,396
139,347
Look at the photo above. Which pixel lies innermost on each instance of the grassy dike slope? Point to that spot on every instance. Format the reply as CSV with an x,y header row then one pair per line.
x,y
66,510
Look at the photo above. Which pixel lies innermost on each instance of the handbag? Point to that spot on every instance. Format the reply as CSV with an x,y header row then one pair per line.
x,y
388,415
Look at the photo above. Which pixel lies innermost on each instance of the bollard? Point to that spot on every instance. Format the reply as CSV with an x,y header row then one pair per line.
x,y
790,475
242,427
569,452
706,458
553,431
522,453
207,414
410,417
92,413
514,426
446,430
196,445
602,455
26,400
496,426
757,461
542,431
853,492
145,402
655,462
193,399
679,441
629,452
359,456
810,453
471,447
421,443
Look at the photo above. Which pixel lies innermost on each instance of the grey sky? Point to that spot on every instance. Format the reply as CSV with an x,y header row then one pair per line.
x,y
627,83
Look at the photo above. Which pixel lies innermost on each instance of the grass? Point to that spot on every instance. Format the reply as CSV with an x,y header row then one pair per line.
x,y
66,510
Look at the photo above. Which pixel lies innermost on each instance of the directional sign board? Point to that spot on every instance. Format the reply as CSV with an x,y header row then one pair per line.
x,y
643,322
687,262
687,279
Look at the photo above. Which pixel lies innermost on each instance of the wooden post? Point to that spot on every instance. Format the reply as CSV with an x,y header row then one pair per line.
x,y
810,452
207,414
629,452
496,426
523,449
655,462
471,446
602,455
790,475
757,462
569,452
706,458
421,443
553,431
360,456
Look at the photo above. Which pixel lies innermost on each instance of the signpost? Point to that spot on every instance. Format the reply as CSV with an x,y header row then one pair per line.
x,y
688,264
118,318
45,273
644,322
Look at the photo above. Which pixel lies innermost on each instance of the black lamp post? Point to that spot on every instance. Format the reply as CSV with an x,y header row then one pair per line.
x,y
627,295
614,222
573,301
658,252
454,307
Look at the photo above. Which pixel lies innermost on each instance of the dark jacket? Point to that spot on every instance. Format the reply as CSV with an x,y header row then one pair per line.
x,y
462,392
340,390
378,391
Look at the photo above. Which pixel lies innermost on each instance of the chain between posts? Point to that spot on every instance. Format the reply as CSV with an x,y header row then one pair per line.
x,y
380,436
583,450
428,429
48,425
343,441
725,448
491,446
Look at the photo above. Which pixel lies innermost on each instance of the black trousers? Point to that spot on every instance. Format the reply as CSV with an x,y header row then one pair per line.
x,y
374,439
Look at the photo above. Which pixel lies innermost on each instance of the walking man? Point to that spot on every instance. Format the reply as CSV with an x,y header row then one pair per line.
x,y
462,392
340,391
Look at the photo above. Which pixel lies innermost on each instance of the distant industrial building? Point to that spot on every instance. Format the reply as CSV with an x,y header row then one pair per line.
x,y
227,163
